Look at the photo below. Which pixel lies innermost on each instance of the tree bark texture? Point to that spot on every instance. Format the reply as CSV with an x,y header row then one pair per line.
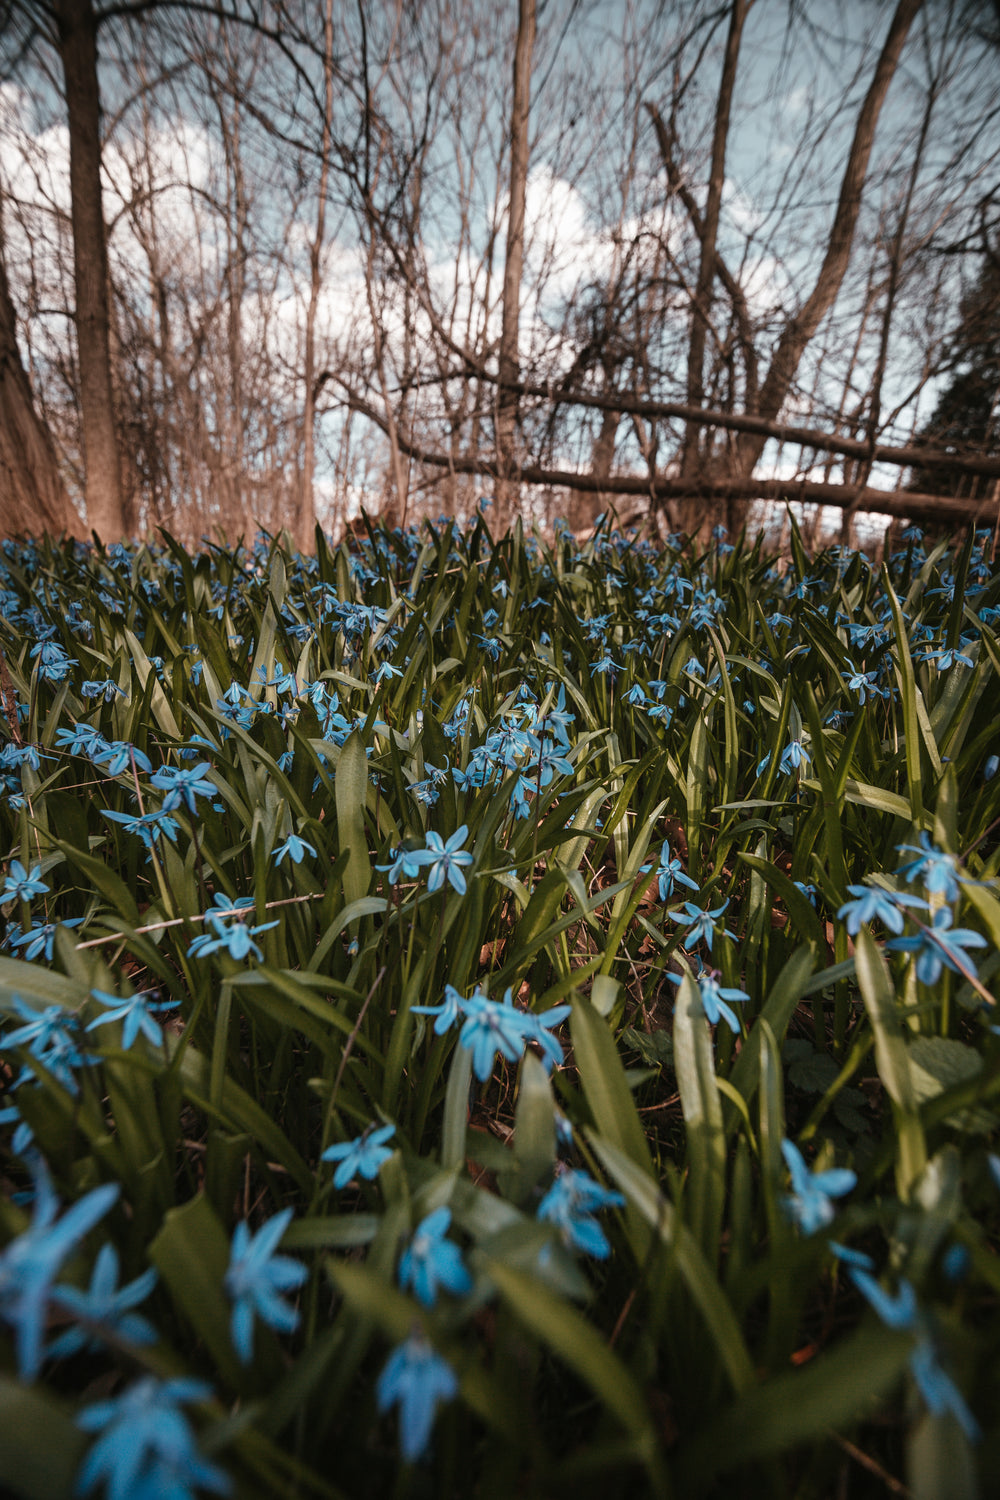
x,y
701,311
77,42
305,521
34,498
506,420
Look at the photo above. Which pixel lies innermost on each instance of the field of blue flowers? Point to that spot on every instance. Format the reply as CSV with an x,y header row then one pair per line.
x,y
489,1018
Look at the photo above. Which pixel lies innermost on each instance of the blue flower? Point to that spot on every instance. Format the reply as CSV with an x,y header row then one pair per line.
x,y
415,1379
491,1027
946,657
875,905
362,1157
431,1261
53,662
104,1309
865,684
136,1014
809,1203
296,847
445,860
701,924
147,1450
51,1037
104,688
536,1027
234,938
183,784
119,756
29,1264
255,1280
447,1013
670,872
795,755
81,739
936,867
405,864
149,827
939,946
41,937
714,997
20,886
902,1312
570,1204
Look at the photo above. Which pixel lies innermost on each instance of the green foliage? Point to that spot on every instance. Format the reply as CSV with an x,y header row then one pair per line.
x,y
547,978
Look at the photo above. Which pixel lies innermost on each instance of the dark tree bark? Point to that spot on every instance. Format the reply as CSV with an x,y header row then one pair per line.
x,y
76,38
506,422
34,498
701,311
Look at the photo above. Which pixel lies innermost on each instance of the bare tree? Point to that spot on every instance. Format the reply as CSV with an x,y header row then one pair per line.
x,y
35,497
506,420
75,24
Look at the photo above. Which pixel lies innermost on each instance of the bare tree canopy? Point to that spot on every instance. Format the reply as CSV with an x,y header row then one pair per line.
x,y
268,263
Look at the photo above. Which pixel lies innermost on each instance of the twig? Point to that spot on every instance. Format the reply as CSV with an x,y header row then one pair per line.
x,y
114,937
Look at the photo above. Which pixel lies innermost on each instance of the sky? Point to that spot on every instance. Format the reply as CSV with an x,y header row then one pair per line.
x,y
595,194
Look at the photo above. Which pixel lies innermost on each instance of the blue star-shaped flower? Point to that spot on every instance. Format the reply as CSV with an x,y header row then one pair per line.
x,y
415,1379
809,1203
700,924
361,1157
296,848
940,946
136,1014
446,860
570,1204
431,1261
20,886
255,1280
872,904
29,1263
104,1309
146,1447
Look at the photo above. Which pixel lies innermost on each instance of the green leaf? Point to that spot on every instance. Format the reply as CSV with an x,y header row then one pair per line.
x,y
940,1460
534,1130
191,1253
40,1447
938,1063
891,1058
605,1086
796,1408
694,1065
706,1293
568,1334
351,790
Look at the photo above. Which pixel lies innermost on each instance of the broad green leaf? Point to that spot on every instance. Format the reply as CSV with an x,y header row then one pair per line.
x,y
694,1064
575,1340
351,790
661,1216
605,1086
41,1448
191,1253
891,1058
789,1410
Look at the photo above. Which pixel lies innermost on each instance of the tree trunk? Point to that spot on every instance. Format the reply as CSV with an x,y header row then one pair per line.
x,y
506,421
306,518
802,326
77,42
701,311
34,496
